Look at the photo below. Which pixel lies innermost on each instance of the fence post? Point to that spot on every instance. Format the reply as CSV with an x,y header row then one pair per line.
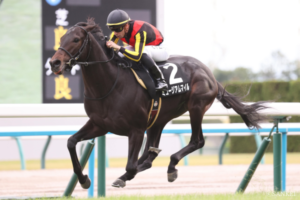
x,y
44,152
258,143
91,174
277,161
22,159
143,145
222,148
283,157
101,166
258,155
279,154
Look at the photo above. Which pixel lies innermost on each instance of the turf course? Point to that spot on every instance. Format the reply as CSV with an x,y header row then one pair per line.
x,y
246,196
250,196
194,160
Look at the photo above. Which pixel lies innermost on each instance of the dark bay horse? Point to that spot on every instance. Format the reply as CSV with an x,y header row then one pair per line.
x,y
116,103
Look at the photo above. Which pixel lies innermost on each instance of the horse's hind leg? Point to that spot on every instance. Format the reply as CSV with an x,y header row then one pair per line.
x,y
151,148
135,143
88,131
197,139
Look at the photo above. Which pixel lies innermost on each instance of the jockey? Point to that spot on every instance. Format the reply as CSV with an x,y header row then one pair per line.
x,y
144,40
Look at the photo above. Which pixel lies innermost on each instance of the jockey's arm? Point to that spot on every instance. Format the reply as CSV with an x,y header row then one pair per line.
x,y
140,41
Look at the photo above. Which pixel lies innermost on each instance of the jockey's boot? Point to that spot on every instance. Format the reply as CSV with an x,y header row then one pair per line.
x,y
155,72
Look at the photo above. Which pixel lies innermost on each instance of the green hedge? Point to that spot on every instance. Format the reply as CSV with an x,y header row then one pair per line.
x,y
273,91
279,91
246,144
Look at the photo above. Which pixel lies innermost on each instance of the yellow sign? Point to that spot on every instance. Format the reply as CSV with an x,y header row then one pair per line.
x,y
58,32
62,88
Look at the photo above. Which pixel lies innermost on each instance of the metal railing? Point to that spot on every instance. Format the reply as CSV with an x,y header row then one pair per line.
x,y
77,110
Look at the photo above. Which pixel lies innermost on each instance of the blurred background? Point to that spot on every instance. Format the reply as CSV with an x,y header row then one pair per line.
x,y
244,43
238,40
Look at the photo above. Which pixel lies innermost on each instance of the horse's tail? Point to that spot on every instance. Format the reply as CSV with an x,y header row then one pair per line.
x,y
249,113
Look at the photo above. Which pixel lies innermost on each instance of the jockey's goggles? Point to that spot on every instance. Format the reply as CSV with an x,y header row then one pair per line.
x,y
116,28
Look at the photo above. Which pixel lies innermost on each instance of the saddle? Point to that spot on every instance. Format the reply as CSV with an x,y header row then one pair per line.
x,y
175,77
177,80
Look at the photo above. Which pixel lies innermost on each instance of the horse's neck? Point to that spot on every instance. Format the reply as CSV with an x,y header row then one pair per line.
x,y
98,78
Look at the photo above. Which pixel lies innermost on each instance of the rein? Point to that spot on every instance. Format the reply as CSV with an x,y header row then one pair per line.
x,y
73,61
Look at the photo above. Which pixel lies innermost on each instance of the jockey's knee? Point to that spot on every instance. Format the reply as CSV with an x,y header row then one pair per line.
x,y
157,53
147,60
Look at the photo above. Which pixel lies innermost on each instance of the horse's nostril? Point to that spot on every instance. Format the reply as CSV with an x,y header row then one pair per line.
x,y
55,63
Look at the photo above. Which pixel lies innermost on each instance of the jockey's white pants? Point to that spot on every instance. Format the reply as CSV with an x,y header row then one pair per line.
x,y
157,53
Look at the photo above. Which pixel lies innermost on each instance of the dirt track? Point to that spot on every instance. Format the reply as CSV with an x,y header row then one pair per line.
x,y
191,179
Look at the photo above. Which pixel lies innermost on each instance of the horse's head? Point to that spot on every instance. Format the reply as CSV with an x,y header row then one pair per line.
x,y
73,46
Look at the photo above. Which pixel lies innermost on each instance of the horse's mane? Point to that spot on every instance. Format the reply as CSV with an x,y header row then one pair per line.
x,y
97,32
97,29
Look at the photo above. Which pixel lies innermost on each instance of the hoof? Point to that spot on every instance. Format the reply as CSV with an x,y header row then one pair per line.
x,y
87,183
119,183
172,176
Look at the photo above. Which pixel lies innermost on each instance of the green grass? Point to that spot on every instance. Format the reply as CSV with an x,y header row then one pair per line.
x,y
194,160
20,52
246,196
249,196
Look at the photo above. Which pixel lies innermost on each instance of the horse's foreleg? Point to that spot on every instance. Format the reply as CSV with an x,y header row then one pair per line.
x,y
151,148
135,143
196,142
88,131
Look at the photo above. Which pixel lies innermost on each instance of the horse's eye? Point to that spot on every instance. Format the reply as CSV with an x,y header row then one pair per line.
x,y
76,40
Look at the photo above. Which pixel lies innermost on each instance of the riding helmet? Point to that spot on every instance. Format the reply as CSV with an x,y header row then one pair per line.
x,y
117,18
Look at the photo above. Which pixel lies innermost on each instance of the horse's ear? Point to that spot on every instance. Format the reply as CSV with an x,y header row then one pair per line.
x,y
90,27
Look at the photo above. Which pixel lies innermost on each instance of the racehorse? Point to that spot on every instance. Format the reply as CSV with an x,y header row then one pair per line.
x,y
116,103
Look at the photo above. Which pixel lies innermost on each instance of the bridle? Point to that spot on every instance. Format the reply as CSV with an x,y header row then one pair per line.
x,y
73,61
